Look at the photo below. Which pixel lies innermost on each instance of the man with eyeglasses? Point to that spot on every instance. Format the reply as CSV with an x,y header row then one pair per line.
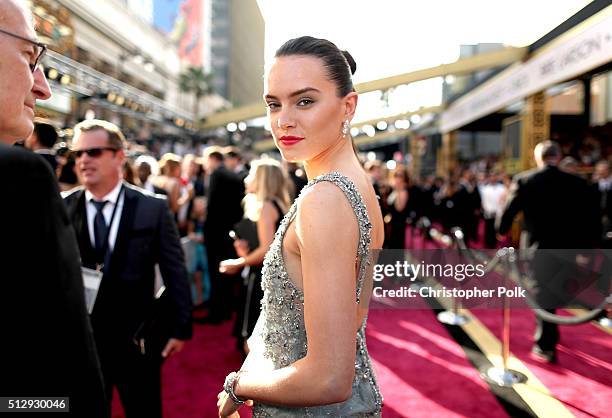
x,y
124,232
22,82
47,345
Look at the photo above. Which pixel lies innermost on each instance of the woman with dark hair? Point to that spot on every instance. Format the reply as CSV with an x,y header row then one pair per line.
x,y
67,177
308,355
397,204
129,173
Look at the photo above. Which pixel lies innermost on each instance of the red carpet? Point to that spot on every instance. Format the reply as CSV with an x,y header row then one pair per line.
x,y
192,379
582,379
422,371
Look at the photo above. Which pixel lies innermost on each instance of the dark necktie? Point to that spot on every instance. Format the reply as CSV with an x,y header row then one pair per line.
x,y
100,230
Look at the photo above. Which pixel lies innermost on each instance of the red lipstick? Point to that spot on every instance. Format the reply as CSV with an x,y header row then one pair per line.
x,y
290,140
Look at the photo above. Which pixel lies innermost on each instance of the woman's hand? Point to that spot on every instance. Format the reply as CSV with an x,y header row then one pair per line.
x,y
242,247
231,266
227,408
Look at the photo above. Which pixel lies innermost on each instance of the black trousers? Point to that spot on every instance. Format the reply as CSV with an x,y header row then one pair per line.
x,y
490,237
249,306
137,378
546,334
552,270
222,301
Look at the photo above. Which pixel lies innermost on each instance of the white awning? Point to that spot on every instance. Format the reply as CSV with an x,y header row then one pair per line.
x,y
583,48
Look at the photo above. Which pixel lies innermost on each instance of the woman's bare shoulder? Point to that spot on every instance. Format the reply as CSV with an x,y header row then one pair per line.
x,y
326,230
324,196
324,206
324,203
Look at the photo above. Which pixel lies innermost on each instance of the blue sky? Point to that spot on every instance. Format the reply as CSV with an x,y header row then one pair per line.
x,y
164,13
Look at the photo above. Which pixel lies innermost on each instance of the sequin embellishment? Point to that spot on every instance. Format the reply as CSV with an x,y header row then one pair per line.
x,y
283,332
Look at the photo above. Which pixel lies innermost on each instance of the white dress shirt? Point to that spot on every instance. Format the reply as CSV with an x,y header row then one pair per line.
x,y
46,151
107,212
605,184
149,186
491,198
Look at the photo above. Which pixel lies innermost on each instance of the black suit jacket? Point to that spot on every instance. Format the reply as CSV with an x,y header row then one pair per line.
x,y
560,209
50,158
147,235
47,344
225,193
605,199
159,190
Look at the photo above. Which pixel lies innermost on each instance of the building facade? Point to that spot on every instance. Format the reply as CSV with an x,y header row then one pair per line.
x,y
108,61
236,50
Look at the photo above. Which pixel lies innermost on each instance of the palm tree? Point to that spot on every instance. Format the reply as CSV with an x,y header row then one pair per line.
x,y
194,80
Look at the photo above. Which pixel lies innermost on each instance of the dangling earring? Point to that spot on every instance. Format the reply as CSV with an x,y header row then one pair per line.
x,y
345,128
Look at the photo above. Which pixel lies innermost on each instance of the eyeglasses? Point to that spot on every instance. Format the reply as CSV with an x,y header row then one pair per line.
x,y
42,49
93,152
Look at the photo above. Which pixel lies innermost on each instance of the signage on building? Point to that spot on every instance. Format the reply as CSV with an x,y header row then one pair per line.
x,y
569,56
182,21
536,127
53,25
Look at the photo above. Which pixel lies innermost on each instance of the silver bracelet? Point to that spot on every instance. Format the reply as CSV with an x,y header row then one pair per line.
x,y
230,385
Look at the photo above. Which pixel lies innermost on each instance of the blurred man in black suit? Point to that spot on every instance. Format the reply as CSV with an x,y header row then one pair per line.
x,y
42,141
560,212
47,346
232,160
124,232
602,179
469,205
224,195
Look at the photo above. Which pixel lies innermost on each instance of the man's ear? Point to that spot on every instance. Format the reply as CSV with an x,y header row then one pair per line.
x,y
120,154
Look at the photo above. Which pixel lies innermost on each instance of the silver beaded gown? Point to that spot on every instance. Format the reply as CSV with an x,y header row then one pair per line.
x,y
279,338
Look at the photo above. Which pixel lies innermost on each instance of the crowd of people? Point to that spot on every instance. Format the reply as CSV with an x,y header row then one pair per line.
x,y
472,198
209,196
227,209
113,228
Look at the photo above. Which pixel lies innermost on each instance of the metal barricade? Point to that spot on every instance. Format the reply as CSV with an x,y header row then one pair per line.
x,y
504,376
452,316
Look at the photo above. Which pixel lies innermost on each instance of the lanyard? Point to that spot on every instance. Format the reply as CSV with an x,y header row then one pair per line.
x,y
99,267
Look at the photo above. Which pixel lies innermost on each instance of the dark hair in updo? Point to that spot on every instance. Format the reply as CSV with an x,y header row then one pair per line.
x,y
340,65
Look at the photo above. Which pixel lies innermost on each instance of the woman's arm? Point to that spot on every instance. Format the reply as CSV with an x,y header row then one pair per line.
x,y
186,197
172,186
266,226
190,227
327,235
